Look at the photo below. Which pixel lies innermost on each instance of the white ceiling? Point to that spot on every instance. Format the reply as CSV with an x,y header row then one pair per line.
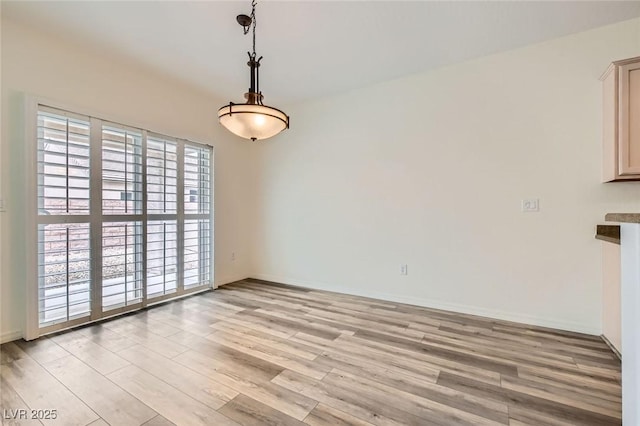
x,y
311,48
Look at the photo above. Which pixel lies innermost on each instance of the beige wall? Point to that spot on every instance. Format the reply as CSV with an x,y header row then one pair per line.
x,y
109,87
430,170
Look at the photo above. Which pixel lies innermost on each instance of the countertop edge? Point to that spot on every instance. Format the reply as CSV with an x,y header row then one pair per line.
x,y
622,217
609,233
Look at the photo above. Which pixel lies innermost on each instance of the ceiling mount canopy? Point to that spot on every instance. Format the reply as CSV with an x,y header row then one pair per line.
x,y
252,119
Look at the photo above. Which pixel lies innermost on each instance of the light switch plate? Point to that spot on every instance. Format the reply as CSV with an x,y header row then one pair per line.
x,y
404,269
530,205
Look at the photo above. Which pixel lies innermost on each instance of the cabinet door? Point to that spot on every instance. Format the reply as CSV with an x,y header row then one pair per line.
x,y
610,125
629,120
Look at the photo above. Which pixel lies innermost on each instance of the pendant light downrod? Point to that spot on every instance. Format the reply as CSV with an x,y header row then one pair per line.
x,y
252,120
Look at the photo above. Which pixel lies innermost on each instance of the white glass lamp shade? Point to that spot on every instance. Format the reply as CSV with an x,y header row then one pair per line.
x,y
252,121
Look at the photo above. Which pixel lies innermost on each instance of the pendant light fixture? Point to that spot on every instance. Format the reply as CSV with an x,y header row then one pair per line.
x,y
252,119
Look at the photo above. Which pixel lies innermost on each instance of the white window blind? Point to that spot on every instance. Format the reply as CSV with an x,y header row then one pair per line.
x,y
197,252
63,164
121,264
63,245
197,184
162,175
121,170
64,285
197,225
123,217
162,212
162,257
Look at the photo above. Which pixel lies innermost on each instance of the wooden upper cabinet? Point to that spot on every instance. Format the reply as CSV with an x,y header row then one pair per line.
x,y
621,126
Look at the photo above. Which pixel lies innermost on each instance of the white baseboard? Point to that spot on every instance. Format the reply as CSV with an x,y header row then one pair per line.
x,y
10,336
438,304
229,279
612,347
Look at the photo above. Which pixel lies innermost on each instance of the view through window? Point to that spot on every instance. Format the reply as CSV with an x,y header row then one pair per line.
x,y
124,217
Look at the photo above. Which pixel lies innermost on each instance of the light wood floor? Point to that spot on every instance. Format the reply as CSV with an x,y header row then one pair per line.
x,y
256,354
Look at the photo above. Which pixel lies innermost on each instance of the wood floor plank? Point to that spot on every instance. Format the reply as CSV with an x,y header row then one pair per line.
x,y
285,299
613,395
367,310
605,369
183,323
542,344
458,356
293,404
272,355
140,335
406,361
221,306
102,336
254,352
552,393
360,319
249,412
519,346
523,400
522,359
375,369
286,345
172,404
315,322
203,313
252,303
109,401
266,300
587,379
324,415
146,322
197,386
159,421
94,355
10,352
418,406
427,390
13,408
41,391
412,359
293,294
520,416
233,360
290,324
99,422
556,338
509,349
354,403
349,325
256,324
42,350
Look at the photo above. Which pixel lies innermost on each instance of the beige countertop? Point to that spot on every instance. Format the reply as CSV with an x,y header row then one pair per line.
x,y
623,217
611,231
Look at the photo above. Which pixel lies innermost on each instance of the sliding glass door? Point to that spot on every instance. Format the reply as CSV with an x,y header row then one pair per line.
x,y
162,212
63,225
123,219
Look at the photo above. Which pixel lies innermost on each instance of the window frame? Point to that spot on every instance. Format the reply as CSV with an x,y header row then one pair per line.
x,y
96,218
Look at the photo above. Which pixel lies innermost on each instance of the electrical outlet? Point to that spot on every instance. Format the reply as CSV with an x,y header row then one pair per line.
x,y
233,256
531,205
404,269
